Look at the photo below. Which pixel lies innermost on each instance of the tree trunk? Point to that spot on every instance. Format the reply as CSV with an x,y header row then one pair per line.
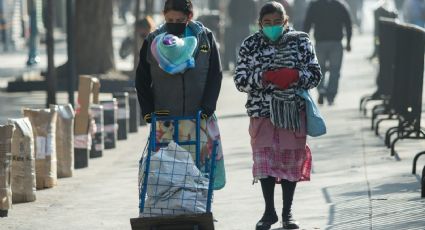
x,y
51,78
94,50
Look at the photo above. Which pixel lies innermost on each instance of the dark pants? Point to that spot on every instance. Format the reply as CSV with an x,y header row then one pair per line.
x,y
329,54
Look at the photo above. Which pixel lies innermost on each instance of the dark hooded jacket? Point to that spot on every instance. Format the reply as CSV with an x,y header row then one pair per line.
x,y
182,94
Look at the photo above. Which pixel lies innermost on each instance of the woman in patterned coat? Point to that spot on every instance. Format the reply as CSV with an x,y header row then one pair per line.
x,y
272,65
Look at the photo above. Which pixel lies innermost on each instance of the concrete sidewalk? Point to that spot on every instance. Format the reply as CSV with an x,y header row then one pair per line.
x,y
355,184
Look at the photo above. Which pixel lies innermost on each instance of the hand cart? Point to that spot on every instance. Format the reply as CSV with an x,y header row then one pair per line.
x,y
170,217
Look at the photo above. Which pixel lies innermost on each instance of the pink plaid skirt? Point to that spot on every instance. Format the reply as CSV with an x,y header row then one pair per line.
x,y
279,152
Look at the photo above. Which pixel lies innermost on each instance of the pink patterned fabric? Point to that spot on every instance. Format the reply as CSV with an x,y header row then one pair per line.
x,y
278,152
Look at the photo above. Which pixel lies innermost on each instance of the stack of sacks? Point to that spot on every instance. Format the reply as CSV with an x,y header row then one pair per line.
x,y
43,123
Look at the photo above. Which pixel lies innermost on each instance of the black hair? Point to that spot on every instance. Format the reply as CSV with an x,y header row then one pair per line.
x,y
270,8
184,6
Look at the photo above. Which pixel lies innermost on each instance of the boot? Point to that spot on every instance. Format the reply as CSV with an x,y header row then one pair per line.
x,y
288,190
288,221
266,221
269,216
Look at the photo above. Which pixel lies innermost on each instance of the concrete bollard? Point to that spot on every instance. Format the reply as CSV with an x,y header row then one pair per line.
x,y
88,94
134,110
110,126
123,115
97,132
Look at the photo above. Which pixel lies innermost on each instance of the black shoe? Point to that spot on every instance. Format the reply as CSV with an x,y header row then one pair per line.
x,y
330,101
33,61
289,222
266,221
320,99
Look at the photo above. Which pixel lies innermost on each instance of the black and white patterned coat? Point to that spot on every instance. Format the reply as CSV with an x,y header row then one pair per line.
x,y
258,55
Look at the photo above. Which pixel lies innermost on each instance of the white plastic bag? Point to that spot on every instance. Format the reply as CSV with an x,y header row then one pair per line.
x,y
175,185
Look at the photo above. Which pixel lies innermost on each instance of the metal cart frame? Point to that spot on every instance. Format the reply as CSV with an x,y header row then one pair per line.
x,y
199,221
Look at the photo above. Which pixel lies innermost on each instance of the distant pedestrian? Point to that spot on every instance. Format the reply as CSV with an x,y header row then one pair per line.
x,y
124,8
143,27
242,14
414,12
299,10
34,39
329,18
273,64
3,32
356,10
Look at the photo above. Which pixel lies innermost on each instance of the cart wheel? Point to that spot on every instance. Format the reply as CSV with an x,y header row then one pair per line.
x,y
203,221
176,227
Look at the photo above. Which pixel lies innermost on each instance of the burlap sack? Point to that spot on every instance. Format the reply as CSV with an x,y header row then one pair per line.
x,y
6,133
43,123
23,162
65,140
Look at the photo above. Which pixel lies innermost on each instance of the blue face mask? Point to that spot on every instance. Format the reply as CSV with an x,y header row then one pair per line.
x,y
273,32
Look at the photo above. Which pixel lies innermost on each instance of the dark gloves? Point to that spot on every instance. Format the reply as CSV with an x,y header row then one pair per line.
x,y
206,113
159,113
282,78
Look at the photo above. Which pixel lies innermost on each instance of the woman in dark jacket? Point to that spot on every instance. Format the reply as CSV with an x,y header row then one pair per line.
x,y
179,74
187,89
273,65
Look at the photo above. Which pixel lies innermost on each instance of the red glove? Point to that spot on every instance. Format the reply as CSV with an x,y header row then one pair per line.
x,y
282,78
